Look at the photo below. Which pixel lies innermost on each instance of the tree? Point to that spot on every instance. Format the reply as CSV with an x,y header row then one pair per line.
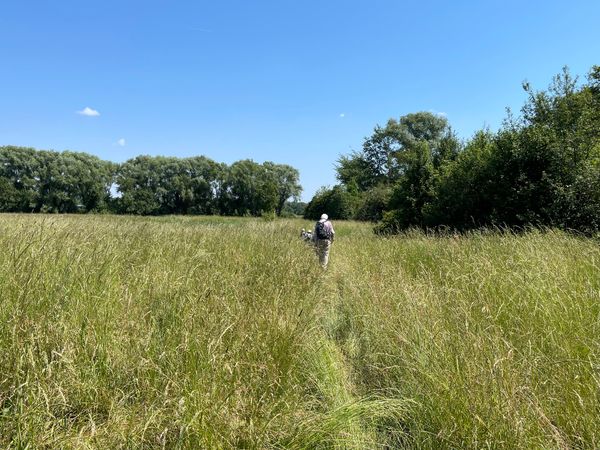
x,y
372,203
392,158
72,182
413,192
336,202
205,184
160,185
286,179
539,169
356,173
8,196
250,189
19,168
69,182
138,182
464,188
47,181
385,151
293,208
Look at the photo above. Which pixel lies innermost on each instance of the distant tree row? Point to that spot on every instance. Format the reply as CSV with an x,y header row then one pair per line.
x,y
541,168
68,182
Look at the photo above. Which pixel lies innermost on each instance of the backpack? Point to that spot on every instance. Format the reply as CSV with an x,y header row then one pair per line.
x,y
321,231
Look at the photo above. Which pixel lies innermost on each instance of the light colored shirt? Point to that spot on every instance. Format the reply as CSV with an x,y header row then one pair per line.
x,y
328,227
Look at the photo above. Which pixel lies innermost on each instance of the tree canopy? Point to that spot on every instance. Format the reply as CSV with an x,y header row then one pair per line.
x,y
68,182
540,168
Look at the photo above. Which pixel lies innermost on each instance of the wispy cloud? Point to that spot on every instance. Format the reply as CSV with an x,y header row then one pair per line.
x,y
121,142
438,113
87,111
342,115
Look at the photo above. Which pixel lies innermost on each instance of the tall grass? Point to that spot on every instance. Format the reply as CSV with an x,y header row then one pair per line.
x,y
496,337
178,332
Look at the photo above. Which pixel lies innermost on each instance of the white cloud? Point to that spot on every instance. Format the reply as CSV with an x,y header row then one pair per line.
x,y
342,115
438,113
87,111
121,142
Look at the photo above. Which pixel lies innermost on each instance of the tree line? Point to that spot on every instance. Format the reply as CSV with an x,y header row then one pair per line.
x,y
71,182
541,168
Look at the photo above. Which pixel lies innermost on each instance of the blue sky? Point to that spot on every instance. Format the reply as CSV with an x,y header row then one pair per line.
x,y
288,81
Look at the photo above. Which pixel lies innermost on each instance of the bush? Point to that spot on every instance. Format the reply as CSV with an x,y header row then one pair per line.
x,y
372,203
539,170
293,209
336,202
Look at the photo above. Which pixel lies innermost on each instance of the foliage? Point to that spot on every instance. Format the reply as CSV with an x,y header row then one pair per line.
x,y
67,182
46,181
293,209
250,189
539,169
356,172
372,203
336,202
396,169
464,191
413,191
383,159
287,181
532,171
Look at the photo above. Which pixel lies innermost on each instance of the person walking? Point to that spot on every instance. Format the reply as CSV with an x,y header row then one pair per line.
x,y
306,236
323,236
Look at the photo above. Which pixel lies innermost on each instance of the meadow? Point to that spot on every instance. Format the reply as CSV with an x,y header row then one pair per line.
x,y
206,332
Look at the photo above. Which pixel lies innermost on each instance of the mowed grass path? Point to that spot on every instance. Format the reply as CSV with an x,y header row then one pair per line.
x,y
176,332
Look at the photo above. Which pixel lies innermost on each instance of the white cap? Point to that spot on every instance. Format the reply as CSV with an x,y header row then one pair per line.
x,y
324,217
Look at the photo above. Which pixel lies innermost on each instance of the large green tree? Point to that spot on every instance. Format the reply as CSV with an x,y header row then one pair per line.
x,y
205,184
19,168
46,181
250,189
388,150
397,166
286,179
140,185
541,168
73,182
168,185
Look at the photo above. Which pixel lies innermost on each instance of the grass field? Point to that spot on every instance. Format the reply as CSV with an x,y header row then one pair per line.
x,y
176,332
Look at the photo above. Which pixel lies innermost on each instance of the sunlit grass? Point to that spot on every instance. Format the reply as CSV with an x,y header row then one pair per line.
x,y
224,332
494,336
